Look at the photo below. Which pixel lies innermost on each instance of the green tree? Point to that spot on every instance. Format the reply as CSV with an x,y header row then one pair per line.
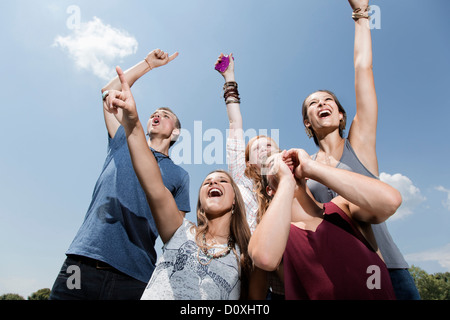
x,y
431,287
11,296
444,280
42,294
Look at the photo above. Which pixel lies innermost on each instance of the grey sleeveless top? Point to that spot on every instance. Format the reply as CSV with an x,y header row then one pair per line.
x,y
349,161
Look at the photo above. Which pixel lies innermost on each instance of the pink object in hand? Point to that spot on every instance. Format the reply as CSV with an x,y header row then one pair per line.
x,y
223,64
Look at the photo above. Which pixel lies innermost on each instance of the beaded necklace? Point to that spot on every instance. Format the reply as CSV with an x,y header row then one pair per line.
x,y
216,255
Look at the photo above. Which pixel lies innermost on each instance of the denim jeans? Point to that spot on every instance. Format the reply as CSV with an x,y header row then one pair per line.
x,y
95,284
404,286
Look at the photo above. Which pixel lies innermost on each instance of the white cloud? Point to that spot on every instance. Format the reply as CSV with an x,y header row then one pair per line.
x,y
441,255
411,195
95,46
445,203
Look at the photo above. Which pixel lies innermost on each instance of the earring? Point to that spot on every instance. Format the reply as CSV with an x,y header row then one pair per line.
x,y
232,210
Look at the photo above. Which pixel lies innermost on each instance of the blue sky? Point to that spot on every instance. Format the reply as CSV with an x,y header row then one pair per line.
x,y
54,139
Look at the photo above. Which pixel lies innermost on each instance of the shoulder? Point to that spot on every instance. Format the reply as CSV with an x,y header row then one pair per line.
x,y
187,230
338,205
189,225
361,154
181,175
166,162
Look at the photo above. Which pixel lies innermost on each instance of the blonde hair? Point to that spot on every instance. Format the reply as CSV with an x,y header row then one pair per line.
x,y
239,233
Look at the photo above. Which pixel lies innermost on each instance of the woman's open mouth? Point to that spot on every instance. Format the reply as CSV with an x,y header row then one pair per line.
x,y
324,113
214,192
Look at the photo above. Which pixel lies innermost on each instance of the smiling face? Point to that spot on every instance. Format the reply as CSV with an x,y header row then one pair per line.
x,y
259,148
323,111
217,195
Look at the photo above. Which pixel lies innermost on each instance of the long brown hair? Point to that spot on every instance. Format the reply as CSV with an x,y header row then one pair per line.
x,y
239,232
254,173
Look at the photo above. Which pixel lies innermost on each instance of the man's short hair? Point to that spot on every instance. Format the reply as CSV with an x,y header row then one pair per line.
x,y
177,123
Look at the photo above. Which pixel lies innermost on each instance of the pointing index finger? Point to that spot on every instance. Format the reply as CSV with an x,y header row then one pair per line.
x,y
123,81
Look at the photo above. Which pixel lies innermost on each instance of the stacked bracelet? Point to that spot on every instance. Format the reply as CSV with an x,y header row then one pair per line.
x,y
360,13
231,93
230,84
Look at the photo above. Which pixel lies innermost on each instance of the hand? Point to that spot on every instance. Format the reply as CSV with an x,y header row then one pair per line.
x,y
229,73
355,4
122,104
288,160
277,168
299,160
158,58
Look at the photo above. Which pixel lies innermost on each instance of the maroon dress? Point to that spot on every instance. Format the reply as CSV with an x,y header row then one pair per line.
x,y
334,262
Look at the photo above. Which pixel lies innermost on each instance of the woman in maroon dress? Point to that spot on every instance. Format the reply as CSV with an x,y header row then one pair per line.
x,y
323,252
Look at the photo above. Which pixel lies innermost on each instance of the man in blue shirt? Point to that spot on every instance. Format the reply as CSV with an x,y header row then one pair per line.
x,y
113,251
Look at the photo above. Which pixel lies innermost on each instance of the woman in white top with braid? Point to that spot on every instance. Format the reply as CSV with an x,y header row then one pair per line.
x,y
244,162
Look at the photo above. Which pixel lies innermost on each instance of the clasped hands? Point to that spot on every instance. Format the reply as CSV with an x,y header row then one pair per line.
x,y
293,163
